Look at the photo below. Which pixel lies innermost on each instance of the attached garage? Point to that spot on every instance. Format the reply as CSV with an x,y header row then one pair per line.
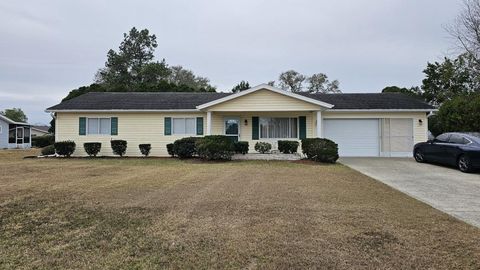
x,y
355,137
371,137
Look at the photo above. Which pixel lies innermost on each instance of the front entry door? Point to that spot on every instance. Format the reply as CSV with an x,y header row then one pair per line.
x,y
232,127
20,136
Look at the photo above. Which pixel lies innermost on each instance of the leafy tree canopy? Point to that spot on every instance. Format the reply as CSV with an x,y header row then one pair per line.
x,y
243,85
293,81
412,91
15,114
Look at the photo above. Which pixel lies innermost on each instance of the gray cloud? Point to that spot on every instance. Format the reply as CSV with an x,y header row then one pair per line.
x,y
48,48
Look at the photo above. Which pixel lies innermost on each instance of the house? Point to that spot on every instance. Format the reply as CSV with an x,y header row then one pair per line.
x,y
14,134
39,131
374,124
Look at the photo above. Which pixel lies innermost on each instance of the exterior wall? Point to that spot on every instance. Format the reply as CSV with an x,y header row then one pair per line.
x,y
264,100
420,130
135,128
246,130
3,134
38,133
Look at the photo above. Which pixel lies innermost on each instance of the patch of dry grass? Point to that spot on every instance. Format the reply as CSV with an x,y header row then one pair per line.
x,y
135,213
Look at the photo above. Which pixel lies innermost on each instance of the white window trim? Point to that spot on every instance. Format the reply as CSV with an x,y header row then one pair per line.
x,y
185,118
97,134
289,130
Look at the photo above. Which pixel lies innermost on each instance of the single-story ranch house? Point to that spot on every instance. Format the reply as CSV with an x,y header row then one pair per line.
x,y
14,134
374,124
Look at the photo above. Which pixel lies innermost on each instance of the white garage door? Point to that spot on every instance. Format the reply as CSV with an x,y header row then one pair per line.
x,y
355,137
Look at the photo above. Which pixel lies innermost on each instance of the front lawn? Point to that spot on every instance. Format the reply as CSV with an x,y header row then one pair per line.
x,y
166,213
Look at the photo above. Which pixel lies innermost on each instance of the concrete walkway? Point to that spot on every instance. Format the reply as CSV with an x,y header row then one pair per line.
x,y
444,188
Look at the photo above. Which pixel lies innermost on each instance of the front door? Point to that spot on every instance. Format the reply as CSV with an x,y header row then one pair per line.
x,y
232,127
19,136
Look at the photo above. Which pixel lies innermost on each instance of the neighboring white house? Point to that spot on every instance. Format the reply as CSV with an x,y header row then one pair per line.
x,y
14,134
39,131
371,124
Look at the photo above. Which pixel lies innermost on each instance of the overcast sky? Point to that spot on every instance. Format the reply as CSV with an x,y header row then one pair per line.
x,y
48,48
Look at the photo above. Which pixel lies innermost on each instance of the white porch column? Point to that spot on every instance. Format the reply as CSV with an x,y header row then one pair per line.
x,y
209,123
319,124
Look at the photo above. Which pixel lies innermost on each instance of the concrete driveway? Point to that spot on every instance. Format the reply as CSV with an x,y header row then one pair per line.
x,y
446,189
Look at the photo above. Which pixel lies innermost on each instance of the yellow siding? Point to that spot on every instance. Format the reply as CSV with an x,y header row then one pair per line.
x,y
419,130
135,128
264,100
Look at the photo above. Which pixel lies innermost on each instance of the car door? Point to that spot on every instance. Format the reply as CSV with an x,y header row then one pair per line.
x,y
435,151
452,149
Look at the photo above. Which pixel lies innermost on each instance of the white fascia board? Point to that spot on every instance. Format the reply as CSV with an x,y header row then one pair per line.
x,y
382,110
123,111
267,87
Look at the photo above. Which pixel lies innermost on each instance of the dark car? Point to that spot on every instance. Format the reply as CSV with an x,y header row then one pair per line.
x,y
454,149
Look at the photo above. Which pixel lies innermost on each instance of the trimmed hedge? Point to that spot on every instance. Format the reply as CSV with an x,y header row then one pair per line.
x,y
215,147
92,148
65,148
322,150
42,141
241,147
119,147
145,149
48,150
185,147
288,147
263,147
170,149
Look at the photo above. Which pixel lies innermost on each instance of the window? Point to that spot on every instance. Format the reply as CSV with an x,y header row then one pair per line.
x,y
100,126
442,138
278,128
26,135
457,139
184,126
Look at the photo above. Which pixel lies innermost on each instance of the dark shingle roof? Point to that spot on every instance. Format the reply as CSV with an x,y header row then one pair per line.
x,y
371,101
182,100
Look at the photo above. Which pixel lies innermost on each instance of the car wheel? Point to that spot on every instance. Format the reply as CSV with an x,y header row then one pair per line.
x,y
418,155
464,164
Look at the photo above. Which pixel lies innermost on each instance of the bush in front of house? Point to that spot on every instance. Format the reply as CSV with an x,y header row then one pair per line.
x,y
321,150
92,148
145,149
48,150
119,147
241,147
215,147
43,141
263,147
170,149
64,148
287,147
185,147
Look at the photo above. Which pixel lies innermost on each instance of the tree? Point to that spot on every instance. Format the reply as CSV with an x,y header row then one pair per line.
x,y
319,83
457,114
182,76
15,114
466,30
291,81
448,79
243,85
412,91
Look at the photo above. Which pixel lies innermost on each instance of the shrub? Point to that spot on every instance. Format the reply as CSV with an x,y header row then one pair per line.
x,y
318,149
287,147
185,147
65,148
145,149
92,148
241,147
215,147
48,150
263,147
170,149
119,147
42,141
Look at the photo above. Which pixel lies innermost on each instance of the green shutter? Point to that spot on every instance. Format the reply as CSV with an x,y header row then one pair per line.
x,y
255,134
82,126
199,125
114,126
167,127
303,127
